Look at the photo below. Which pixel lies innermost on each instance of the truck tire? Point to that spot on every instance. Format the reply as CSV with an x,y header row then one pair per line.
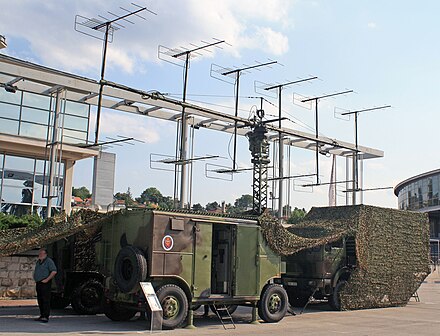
x,y
87,298
116,312
273,303
58,302
174,304
335,299
130,268
231,309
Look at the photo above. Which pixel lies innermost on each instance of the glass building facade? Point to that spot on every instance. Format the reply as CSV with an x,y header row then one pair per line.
x,y
31,115
22,185
24,178
421,193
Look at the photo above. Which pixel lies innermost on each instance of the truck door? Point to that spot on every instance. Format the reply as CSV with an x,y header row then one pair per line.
x,y
246,261
202,259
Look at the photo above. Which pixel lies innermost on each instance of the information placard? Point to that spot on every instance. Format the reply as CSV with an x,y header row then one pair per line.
x,y
154,305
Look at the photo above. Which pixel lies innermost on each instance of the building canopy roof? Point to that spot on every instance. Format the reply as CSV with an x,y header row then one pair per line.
x,y
38,79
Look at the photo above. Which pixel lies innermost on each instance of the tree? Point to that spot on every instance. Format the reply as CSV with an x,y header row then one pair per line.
x,y
81,192
297,215
241,204
197,207
166,202
212,206
150,195
127,197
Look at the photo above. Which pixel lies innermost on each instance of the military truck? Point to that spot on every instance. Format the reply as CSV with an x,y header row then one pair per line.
x,y
77,281
320,272
191,259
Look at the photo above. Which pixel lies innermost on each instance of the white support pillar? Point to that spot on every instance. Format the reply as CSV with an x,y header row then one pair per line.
x,y
68,183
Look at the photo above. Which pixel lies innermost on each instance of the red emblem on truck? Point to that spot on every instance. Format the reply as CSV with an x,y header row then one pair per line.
x,y
167,243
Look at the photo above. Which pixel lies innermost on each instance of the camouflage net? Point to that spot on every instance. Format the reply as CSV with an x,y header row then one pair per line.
x,y
14,241
392,249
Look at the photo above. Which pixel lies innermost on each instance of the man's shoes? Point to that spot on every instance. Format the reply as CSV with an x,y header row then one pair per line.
x,y
44,320
38,318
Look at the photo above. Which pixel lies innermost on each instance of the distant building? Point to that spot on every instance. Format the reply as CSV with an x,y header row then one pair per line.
x,y
421,193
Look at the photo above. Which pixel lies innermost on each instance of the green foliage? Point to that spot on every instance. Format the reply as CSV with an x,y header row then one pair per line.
x,y
241,204
81,192
166,202
197,207
212,206
8,221
244,202
150,195
127,197
297,215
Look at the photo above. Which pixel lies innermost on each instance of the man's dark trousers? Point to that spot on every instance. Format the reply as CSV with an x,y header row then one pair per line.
x,y
43,298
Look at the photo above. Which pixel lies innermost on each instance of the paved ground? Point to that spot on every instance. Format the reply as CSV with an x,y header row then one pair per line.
x,y
417,318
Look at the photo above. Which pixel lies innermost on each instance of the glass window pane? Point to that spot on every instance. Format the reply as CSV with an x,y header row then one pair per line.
x,y
34,115
9,97
32,130
19,163
78,109
34,100
9,111
75,123
8,126
74,137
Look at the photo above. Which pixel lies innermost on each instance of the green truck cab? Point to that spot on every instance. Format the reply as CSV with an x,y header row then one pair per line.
x,y
320,272
191,259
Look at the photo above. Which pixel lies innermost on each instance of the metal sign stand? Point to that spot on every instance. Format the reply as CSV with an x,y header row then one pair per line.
x,y
154,304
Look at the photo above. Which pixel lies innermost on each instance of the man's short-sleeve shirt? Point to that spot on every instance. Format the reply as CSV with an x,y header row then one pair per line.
x,y
43,269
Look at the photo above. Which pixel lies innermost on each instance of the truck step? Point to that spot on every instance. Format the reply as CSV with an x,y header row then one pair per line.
x,y
225,319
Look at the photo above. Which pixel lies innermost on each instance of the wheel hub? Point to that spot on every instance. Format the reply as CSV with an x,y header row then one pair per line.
x,y
170,306
274,303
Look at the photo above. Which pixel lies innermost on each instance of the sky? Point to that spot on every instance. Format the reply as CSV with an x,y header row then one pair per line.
x,y
385,51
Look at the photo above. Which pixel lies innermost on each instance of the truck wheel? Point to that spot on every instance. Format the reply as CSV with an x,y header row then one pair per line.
x,y
231,309
174,304
130,268
273,303
87,298
116,312
58,302
335,299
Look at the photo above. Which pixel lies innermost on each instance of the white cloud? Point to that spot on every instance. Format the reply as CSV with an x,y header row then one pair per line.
x,y
130,125
372,25
47,26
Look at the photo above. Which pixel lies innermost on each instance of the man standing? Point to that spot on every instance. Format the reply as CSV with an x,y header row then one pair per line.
x,y
45,270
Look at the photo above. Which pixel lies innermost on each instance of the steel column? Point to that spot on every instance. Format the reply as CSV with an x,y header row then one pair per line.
x,y
184,141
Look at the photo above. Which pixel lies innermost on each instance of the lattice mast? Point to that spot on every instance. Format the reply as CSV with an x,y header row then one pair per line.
x,y
259,147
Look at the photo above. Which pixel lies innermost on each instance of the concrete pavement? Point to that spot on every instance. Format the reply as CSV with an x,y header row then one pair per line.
x,y
417,318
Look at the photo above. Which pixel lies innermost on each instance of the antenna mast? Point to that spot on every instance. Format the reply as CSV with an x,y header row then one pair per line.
x,y
108,27
185,55
279,89
316,100
356,153
235,73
